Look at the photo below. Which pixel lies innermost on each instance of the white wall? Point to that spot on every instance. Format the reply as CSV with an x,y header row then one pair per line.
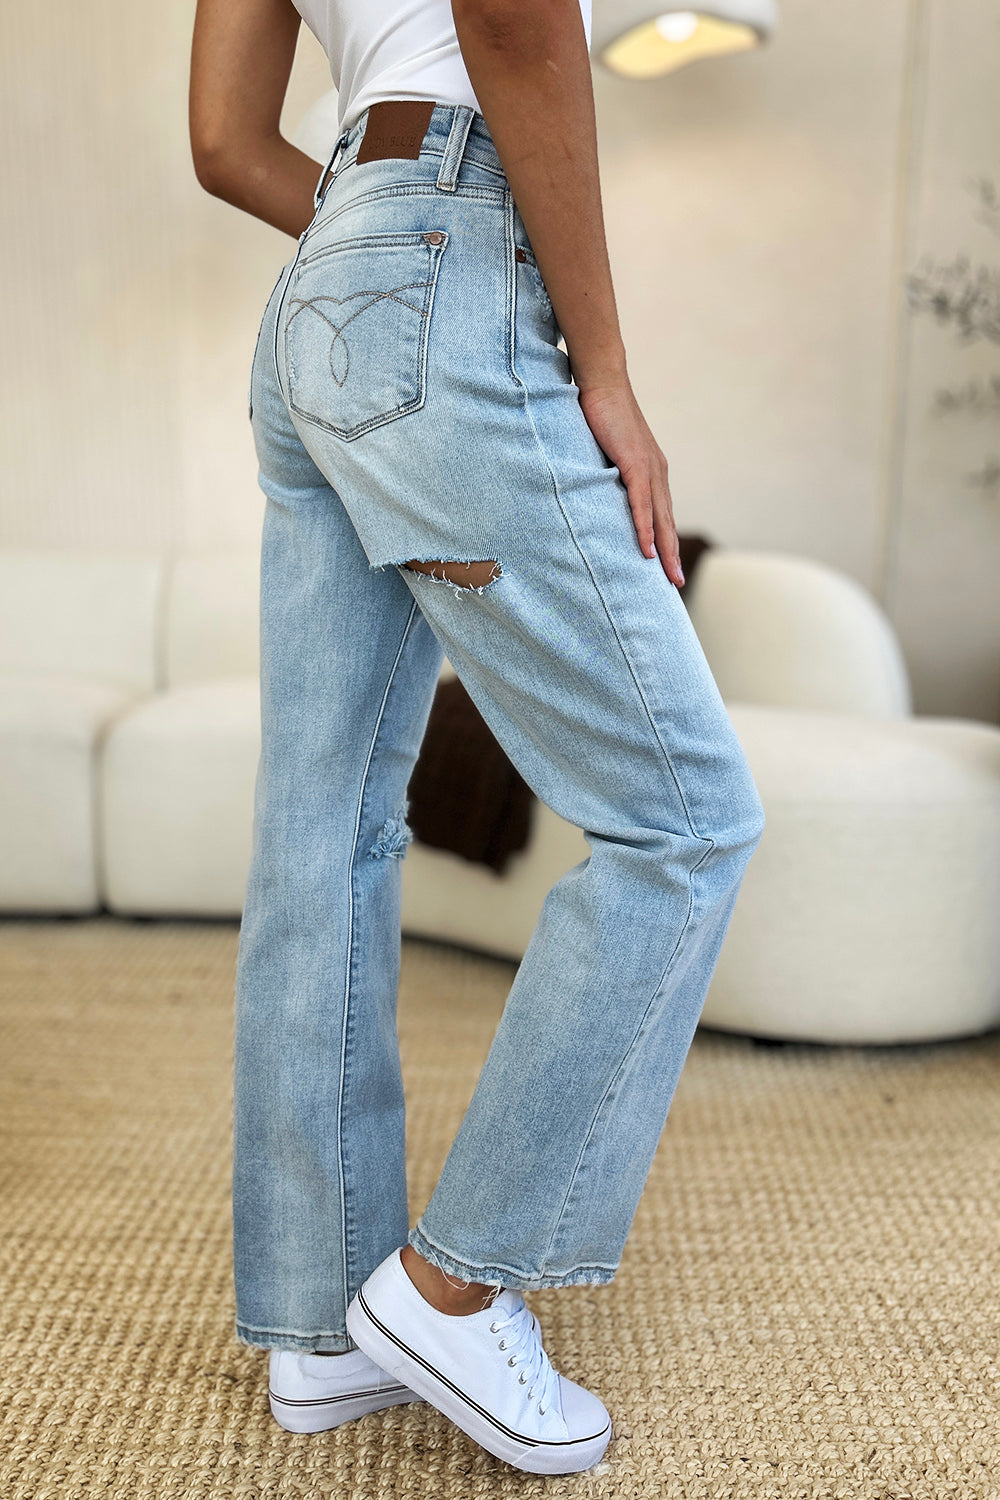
x,y
942,556
763,212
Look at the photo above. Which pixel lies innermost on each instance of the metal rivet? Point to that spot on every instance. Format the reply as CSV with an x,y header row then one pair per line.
x,y
519,254
434,237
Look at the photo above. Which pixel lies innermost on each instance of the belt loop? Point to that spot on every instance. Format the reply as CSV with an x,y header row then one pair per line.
x,y
319,194
461,122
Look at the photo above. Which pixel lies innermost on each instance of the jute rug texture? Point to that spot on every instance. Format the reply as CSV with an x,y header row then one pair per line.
x,y
807,1308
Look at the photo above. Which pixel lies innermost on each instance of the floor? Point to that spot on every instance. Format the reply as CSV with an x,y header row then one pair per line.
x,y
807,1308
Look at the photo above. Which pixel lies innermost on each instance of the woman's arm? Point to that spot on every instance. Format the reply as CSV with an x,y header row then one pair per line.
x,y
241,58
528,64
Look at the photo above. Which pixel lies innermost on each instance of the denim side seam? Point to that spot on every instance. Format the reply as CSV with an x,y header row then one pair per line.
x,y
615,1078
526,404
287,274
709,843
256,347
346,1221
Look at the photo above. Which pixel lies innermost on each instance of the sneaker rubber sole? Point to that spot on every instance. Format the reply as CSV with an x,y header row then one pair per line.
x,y
320,1414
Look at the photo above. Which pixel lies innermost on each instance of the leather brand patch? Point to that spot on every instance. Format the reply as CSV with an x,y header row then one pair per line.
x,y
395,127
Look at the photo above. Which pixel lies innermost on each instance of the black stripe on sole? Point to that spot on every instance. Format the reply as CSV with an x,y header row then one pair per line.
x,y
386,1390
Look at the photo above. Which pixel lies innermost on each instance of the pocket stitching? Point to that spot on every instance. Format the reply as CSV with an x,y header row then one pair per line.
x,y
409,239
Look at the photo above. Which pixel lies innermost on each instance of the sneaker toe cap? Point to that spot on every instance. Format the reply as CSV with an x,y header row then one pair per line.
x,y
584,1413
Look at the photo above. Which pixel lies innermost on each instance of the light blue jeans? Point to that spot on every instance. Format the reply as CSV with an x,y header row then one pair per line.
x,y
410,401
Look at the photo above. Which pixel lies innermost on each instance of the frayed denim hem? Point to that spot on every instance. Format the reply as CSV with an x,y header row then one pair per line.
x,y
504,1275
302,1343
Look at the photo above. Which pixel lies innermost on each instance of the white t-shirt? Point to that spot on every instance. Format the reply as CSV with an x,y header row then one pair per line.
x,y
393,49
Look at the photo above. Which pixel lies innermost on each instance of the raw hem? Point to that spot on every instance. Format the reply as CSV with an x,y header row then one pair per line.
x,y
504,1275
307,1343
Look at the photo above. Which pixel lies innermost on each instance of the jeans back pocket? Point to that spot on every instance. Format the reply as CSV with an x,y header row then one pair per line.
x,y
356,323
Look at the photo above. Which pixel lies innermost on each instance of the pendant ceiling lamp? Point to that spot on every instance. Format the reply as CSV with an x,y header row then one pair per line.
x,y
640,39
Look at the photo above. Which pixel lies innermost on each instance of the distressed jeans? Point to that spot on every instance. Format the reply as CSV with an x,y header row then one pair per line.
x,y
410,402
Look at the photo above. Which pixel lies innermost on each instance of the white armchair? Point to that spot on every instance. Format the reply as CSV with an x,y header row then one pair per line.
x,y
791,633
869,912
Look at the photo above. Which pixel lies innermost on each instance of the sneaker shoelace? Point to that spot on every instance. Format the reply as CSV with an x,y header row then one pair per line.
x,y
520,1341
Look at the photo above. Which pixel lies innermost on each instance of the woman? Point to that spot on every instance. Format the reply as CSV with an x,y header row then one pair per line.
x,y
440,475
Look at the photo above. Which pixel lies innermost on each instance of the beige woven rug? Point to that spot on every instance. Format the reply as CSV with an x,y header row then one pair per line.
x,y
808,1304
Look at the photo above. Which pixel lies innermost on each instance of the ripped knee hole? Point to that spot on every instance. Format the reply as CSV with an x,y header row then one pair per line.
x,y
470,575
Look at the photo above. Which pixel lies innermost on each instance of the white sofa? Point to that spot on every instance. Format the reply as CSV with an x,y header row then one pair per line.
x,y
78,646
129,735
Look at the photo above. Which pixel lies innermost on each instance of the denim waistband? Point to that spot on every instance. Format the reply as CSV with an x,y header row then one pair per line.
x,y
454,129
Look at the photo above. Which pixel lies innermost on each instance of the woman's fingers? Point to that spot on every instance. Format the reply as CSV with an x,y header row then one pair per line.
x,y
666,531
625,437
653,518
640,500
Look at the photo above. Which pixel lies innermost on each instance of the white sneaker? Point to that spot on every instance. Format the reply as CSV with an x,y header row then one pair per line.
x,y
314,1392
486,1371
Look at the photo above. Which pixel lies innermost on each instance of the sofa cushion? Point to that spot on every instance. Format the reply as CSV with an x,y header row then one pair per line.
x,y
50,732
177,781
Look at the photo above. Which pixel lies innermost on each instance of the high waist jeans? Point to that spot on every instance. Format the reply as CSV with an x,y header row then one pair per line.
x,y
410,401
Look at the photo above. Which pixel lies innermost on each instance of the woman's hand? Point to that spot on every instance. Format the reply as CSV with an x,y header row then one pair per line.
x,y
614,418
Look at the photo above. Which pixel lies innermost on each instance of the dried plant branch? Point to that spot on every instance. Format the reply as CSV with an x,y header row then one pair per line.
x,y
988,477
987,194
973,396
966,296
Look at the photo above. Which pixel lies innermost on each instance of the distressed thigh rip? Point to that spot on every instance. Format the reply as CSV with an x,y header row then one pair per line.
x,y
469,576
